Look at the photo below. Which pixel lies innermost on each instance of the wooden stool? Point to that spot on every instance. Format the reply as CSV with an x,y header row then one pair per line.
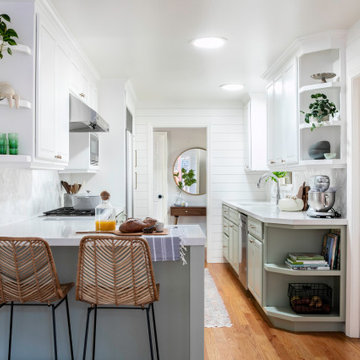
x,y
116,271
28,277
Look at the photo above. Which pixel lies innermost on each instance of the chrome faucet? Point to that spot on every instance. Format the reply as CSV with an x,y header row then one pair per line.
x,y
267,175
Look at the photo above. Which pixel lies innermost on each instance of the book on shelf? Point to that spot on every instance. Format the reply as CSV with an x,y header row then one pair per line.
x,y
307,262
307,267
331,250
306,256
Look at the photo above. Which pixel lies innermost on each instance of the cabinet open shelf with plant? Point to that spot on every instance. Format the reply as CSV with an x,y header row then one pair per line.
x,y
332,130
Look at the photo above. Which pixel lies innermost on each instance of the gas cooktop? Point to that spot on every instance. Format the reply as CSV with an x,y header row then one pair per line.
x,y
69,211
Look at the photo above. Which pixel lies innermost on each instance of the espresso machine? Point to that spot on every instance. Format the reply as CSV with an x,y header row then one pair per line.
x,y
321,198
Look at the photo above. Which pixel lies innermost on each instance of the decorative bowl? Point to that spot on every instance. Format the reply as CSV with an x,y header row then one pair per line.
x,y
323,76
330,156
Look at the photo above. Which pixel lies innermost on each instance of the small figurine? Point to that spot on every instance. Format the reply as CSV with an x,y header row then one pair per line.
x,y
6,91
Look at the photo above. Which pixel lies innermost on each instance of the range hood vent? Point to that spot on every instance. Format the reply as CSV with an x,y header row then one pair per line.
x,y
84,119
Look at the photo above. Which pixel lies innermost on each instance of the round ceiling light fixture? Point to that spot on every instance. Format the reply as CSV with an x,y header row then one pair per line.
x,y
232,87
211,42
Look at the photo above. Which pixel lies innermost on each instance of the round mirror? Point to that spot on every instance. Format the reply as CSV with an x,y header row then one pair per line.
x,y
190,171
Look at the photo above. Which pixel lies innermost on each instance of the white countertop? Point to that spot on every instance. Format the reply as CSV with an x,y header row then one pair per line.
x,y
270,213
61,231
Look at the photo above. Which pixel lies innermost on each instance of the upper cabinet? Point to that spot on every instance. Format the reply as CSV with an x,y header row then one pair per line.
x,y
255,120
282,118
290,87
54,68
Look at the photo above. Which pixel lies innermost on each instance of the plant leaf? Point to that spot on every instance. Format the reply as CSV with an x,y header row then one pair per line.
x,y
5,17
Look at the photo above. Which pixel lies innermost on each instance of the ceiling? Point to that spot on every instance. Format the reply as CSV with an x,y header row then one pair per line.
x,y
147,41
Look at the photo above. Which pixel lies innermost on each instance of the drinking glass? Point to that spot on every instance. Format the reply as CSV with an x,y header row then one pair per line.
x,y
13,143
3,144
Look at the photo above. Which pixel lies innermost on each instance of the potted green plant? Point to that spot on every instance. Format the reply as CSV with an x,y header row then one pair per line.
x,y
187,179
320,110
7,35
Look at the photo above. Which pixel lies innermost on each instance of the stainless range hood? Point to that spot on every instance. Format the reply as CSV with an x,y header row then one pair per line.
x,y
84,119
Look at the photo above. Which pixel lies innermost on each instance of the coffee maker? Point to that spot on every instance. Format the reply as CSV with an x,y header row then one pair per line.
x,y
321,198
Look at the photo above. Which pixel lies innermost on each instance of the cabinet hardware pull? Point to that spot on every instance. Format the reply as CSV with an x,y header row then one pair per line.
x,y
272,162
82,95
283,161
58,157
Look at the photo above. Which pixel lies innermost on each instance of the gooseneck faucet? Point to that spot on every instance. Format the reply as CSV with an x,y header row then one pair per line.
x,y
271,175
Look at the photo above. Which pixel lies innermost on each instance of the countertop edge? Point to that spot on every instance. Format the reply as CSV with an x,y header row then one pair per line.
x,y
271,220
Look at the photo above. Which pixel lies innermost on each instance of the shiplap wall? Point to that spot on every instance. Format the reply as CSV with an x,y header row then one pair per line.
x,y
227,179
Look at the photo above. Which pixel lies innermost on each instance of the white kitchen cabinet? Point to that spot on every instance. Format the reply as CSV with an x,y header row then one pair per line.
x,y
256,123
52,118
283,131
255,267
45,117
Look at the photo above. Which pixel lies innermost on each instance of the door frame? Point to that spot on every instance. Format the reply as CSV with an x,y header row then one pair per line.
x,y
164,179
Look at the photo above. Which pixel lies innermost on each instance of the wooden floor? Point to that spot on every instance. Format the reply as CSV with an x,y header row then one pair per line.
x,y
252,337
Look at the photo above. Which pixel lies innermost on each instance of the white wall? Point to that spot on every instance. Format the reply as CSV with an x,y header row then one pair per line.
x,y
111,176
227,179
179,140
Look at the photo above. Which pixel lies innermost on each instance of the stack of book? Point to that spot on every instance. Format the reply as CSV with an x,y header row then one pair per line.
x,y
306,261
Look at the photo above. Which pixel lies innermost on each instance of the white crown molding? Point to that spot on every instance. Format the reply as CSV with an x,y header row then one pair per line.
x,y
198,113
306,44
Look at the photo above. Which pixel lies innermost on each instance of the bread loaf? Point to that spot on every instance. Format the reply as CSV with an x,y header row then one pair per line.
x,y
136,225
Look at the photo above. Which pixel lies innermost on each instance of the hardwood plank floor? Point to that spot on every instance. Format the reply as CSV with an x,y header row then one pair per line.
x,y
252,337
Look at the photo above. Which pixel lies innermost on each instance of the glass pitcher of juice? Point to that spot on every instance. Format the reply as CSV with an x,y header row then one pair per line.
x,y
105,214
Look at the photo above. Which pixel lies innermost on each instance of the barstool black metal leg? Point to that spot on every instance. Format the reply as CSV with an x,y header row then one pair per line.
x,y
86,332
69,327
155,332
54,330
94,333
149,332
10,332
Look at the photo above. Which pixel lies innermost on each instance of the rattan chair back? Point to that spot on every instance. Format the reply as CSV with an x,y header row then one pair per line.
x,y
115,270
27,271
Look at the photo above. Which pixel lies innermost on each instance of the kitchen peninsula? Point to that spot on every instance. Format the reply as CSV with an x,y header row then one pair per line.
x,y
271,235
179,312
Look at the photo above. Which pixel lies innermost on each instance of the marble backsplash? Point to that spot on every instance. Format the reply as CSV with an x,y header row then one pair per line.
x,y
26,193
337,180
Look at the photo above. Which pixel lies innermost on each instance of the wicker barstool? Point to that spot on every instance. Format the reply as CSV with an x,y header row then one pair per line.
x,y
28,277
116,271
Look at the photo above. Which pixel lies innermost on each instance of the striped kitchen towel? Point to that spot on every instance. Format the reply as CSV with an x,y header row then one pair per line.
x,y
166,248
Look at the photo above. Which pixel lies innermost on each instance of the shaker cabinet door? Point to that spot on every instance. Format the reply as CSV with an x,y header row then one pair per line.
x,y
45,99
62,64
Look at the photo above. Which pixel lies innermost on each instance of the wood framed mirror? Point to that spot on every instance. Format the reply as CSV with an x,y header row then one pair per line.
x,y
189,171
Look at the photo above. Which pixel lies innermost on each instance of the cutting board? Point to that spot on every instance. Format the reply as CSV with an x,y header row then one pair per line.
x,y
119,233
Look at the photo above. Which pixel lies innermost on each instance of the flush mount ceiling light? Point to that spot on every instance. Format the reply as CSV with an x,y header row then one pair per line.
x,y
232,87
212,42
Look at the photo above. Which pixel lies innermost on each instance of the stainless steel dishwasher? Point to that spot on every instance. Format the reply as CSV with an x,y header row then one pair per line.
x,y
243,240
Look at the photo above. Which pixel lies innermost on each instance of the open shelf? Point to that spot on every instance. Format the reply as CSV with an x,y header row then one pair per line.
x,y
286,313
283,269
24,104
324,124
15,159
320,86
79,171
20,48
334,163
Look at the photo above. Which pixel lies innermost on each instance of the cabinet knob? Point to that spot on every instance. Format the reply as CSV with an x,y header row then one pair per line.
x,y
283,161
82,95
272,162
58,157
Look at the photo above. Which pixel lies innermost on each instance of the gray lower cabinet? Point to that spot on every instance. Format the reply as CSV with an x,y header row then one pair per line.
x,y
231,240
255,267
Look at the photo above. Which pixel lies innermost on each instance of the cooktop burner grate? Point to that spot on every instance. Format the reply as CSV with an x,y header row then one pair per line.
x,y
69,211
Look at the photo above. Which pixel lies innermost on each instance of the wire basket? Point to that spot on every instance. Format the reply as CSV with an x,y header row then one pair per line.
x,y
310,298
